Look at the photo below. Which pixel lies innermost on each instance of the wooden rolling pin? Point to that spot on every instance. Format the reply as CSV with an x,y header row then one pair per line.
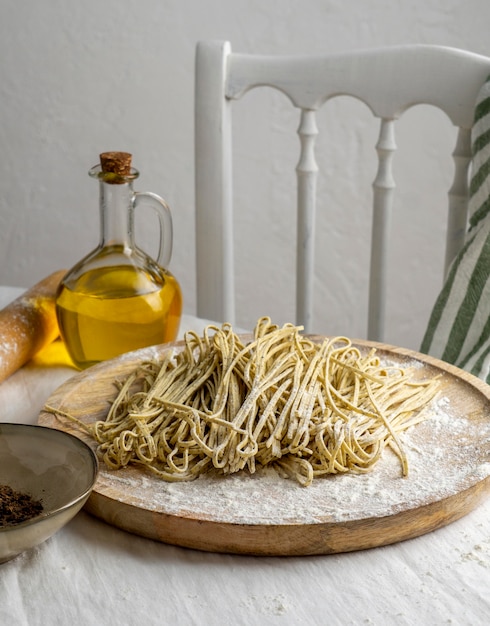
x,y
28,324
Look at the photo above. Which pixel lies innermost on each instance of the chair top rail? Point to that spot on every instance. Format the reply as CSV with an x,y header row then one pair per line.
x,y
447,78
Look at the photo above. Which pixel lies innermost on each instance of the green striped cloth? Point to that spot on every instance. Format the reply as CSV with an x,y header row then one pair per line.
x,y
459,327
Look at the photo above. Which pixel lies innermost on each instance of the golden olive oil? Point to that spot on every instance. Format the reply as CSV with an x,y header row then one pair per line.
x,y
116,309
118,298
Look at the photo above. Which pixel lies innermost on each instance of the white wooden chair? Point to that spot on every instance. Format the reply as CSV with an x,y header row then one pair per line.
x,y
389,81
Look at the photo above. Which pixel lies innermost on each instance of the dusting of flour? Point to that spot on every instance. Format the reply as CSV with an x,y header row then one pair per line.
x,y
447,454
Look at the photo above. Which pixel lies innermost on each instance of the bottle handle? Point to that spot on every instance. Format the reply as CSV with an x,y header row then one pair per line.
x,y
165,218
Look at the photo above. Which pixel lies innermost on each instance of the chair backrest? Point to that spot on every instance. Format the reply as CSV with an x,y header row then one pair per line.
x,y
389,81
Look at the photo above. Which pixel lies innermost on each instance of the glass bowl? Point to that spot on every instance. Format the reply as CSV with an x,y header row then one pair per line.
x,y
52,467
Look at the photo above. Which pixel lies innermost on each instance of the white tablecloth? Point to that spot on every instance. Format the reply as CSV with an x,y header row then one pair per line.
x,y
92,573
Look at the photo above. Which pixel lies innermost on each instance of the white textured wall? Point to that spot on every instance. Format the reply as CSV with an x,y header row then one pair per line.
x,y
81,77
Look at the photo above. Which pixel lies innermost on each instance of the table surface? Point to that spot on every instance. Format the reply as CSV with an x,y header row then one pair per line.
x,y
92,573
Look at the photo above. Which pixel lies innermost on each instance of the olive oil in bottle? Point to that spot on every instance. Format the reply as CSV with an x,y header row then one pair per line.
x,y
117,298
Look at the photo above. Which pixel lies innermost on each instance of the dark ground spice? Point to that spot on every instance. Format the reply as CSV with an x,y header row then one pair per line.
x,y
16,507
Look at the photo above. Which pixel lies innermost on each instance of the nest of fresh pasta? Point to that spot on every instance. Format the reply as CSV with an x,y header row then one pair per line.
x,y
225,404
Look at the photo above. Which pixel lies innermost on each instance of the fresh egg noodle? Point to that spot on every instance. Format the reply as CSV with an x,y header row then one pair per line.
x,y
307,408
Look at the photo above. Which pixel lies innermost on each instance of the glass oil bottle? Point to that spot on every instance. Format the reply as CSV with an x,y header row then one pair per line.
x,y
117,298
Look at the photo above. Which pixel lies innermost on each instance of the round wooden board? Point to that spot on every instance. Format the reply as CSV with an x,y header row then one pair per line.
x,y
263,514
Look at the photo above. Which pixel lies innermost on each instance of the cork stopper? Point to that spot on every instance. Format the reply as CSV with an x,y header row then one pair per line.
x,y
118,163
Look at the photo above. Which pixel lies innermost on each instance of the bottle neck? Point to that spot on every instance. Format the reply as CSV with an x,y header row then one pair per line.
x,y
116,215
